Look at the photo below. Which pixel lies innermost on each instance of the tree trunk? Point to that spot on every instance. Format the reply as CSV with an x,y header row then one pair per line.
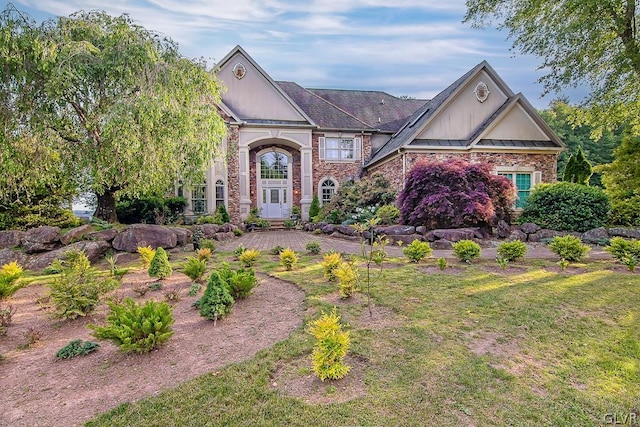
x,y
106,210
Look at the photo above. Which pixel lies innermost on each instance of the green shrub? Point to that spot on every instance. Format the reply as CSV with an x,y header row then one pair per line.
x,y
240,283
442,263
249,257
79,287
288,258
566,206
204,254
276,250
135,327
239,250
388,214
626,212
331,347
194,289
417,250
512,251
222,215
150,210
77,348
330,262
9,275
314,208
313,247
466,250
347,276
6,317
569,248
237,232
625,251
217,300
209,219
195,268
160,267
208,244
54,268
146,255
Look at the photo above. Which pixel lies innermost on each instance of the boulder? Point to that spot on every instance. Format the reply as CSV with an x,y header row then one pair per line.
x,y
222,236
8,255
441,244
503,230
405,239
40,239
421,229
11,238
209,230
309,227
517,234
529,228
451,234
94,250
328,229
145,235
345,237
629,233
75,234
595,236
347,230
105,235
225,228
544,234
396,230
183,236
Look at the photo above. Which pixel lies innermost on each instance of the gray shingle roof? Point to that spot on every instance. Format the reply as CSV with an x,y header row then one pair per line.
x,y
322,112
378,109
516,143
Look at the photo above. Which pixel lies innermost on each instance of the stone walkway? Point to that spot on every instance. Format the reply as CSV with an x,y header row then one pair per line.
x,y
297,240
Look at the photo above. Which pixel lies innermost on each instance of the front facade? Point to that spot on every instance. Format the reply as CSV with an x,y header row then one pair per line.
x,y
286,144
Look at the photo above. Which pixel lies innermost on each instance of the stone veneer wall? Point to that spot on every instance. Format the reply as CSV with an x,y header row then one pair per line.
x,y
545,163
233,179
340,171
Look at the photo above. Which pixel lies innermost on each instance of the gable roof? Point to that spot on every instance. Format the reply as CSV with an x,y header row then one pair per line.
x,y
406,136
323,113
271,83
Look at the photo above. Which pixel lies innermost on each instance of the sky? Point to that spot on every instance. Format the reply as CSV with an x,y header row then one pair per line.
x,y
410,48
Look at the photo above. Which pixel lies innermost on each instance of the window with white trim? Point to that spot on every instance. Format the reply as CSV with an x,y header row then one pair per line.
x,y
524,182
219,193
340,149
199,198
327,189
274,165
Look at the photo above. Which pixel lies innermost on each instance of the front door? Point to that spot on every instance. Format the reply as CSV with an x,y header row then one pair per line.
x,y
274,202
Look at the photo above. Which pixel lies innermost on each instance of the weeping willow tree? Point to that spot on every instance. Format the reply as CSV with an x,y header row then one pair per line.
x,y
112,106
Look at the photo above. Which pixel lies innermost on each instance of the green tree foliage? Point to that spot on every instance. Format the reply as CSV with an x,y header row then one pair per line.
x,y
314,208
160,267
566,206
135,327
578,169
591,42
622,182
560,117
113,105
370,192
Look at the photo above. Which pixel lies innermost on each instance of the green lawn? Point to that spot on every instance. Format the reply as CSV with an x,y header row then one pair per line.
x,y
534,347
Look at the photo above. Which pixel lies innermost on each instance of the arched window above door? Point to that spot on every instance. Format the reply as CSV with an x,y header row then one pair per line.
x,y
274,165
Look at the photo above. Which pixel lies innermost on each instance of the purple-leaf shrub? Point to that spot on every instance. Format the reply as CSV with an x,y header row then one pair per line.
x,y
454,194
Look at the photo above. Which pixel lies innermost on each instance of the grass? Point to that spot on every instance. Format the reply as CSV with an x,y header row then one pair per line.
x,y
531,348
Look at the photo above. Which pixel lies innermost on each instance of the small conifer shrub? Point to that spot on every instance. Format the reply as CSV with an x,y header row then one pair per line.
x,y
347,275
217,300
137,328
314,208
195,268
569,248
625,251
442,263
249,257
160,267
77,348
288,258
417,250
331,347
313,247
466,250
9,275
208,244
330,262
204,254
512,251
146,255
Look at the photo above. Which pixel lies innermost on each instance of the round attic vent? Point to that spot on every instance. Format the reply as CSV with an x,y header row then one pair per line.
x,y
481,91
239,70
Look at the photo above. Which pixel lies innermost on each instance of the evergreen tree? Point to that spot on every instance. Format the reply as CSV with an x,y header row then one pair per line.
x,y
160,266
314,209
578,168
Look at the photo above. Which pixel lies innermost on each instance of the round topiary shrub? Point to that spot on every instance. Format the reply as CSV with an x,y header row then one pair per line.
x,y
160,267
567,206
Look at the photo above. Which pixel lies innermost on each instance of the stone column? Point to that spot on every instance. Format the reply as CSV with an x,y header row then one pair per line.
x,y
306,169
244,170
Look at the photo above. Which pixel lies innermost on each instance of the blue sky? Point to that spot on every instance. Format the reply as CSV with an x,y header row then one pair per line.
x,y
404,47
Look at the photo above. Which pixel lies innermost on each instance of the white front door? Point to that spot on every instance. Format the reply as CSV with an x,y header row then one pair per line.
x,y
274,202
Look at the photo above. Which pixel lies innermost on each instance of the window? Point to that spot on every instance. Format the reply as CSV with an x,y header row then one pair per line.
x,y
274,165
522,182
219,193
340,149
199,198
328,188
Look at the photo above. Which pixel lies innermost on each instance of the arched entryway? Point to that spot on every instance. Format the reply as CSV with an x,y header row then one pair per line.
x,y
274,173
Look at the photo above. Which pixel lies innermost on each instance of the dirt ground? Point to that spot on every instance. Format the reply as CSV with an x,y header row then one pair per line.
x,y
40,390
